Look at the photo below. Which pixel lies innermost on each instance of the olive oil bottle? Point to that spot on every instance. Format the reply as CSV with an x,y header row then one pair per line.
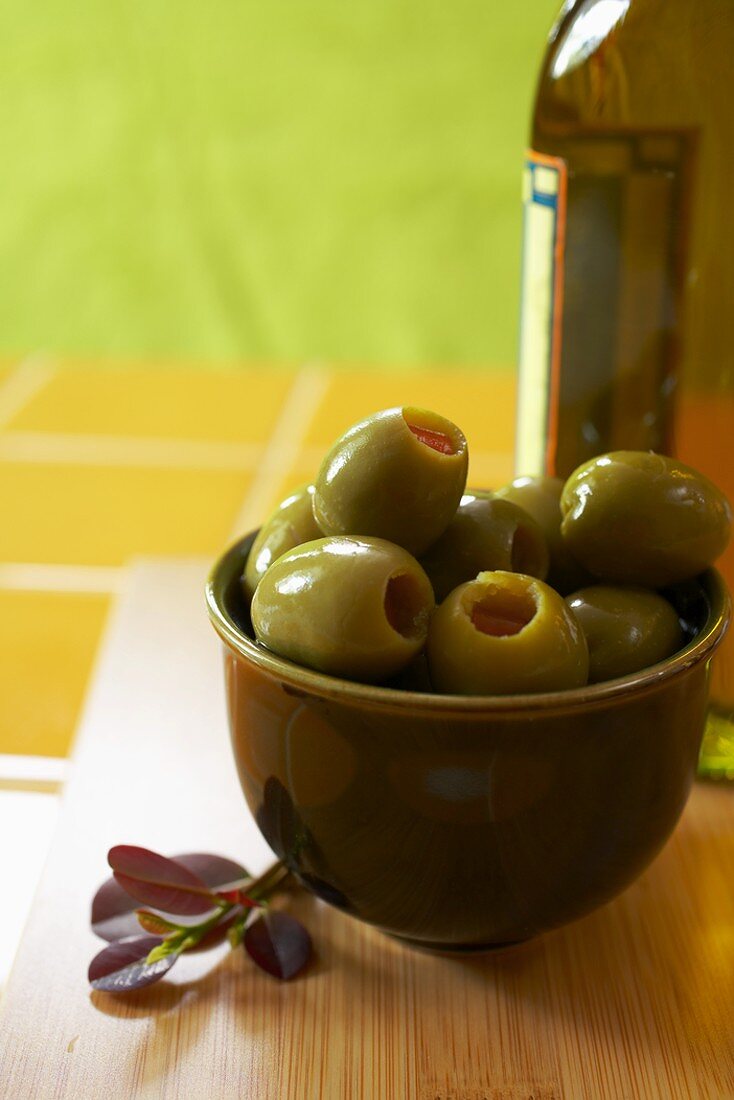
x,y
627,323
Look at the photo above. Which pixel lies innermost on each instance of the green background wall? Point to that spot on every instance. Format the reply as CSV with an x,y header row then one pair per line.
x,y
267,180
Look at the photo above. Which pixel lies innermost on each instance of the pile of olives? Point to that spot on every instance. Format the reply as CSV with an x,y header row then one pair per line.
x,y
387,570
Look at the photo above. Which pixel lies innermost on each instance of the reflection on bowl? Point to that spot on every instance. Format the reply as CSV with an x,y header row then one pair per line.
x,y
457,822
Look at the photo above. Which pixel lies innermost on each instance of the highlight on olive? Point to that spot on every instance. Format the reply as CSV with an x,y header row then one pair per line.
x,y
291,524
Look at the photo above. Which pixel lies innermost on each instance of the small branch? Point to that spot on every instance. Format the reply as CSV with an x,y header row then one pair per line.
x,y
267,882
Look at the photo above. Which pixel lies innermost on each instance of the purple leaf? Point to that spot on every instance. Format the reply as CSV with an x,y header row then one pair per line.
x,y
279,944
121,967
214,871
163,883
113,910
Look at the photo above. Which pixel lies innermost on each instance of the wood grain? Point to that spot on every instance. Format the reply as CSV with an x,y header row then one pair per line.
x,y
636,1000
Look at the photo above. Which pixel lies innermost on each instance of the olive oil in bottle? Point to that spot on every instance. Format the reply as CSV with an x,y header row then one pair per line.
x,y
627,325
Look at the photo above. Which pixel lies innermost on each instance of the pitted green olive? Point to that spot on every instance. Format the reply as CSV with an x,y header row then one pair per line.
x,y
485,534
505,633
352,607
291,524
626,629
398,475
540,497
634,517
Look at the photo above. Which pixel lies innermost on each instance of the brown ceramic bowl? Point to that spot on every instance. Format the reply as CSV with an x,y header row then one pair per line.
x,y
457,822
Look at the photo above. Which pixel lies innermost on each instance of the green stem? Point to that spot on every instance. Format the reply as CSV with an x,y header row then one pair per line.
x,y
266,883
258,889
197,933
187,937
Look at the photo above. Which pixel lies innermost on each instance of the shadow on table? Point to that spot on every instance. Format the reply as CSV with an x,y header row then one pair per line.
x,y
640,975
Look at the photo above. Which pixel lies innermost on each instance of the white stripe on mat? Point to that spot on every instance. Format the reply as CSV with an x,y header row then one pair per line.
x,y
43,577
120,450
32,773
22,385
284,447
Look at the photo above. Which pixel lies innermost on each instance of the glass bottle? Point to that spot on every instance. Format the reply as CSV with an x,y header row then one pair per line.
x,y
627,325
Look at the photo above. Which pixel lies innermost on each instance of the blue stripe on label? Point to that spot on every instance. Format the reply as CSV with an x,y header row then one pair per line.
x,y
545,200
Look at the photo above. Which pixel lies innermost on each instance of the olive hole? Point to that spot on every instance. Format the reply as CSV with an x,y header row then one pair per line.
x,y
524,552
405,606
432,437
501,613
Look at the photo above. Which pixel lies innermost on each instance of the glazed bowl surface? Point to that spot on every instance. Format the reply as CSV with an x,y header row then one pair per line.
x,y
462,823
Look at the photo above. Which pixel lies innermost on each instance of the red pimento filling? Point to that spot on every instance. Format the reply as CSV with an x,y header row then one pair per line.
x,y
437,441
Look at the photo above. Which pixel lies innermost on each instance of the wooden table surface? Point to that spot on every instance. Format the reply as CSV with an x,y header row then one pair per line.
x,y
636,1000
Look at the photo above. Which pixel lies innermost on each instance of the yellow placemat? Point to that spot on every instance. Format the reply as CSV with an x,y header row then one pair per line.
x,y
97,467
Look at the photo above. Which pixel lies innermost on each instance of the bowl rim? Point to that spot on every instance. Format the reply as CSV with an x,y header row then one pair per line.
x,y
299,678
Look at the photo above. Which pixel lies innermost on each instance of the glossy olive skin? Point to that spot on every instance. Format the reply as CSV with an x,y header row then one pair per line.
x,y
540,497
626,629
290,525
485,534
634,517
352,607
379,479
548,653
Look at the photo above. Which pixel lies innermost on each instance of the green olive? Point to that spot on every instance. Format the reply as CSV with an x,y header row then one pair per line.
x,y
505,633
352,607
626,629
291,524
541,498
634,517
485,534
397,475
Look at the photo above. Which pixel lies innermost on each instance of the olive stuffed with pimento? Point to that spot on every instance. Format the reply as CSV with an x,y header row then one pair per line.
x,y
387,560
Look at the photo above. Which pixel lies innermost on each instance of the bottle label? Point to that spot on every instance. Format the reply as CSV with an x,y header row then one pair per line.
x,y
544,226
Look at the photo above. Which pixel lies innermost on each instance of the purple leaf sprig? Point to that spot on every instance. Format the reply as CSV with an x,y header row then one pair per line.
x,y
191,902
